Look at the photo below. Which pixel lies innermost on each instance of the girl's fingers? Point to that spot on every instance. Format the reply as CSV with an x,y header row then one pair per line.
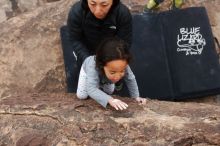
x,y
126,104
144,101
118,104
141,100
115,106
121,105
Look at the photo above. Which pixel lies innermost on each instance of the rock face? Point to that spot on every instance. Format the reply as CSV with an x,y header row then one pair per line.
x,y
63,120
31,54
11,8
34,110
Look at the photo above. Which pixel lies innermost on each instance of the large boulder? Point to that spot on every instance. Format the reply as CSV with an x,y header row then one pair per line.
x,y
11,8
31,54
5,7
64,120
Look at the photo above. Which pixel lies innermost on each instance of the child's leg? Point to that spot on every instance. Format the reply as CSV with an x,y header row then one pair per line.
x,y
108,88
81,89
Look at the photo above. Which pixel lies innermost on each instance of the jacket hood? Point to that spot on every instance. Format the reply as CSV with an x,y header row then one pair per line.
x,y
85,4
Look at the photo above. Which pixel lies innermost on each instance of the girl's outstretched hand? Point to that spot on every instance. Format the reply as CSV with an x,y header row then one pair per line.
x,y
117,104
141,100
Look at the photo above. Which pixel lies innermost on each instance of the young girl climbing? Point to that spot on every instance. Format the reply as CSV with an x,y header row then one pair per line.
x,y
100,72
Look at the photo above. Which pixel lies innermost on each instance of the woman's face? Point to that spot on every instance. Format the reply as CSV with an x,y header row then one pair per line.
x,y
100,8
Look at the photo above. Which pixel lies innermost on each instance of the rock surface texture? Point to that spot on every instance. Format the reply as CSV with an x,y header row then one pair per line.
x,y
63,120
31,54
36,111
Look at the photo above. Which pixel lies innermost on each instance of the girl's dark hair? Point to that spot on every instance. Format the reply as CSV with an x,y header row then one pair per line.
x,y
111,49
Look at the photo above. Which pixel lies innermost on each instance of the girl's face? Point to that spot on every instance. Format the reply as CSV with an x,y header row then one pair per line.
x,y
100,8
115,70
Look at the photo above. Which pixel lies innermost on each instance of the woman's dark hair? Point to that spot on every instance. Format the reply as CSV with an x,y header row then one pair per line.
x,y
111,49
86,7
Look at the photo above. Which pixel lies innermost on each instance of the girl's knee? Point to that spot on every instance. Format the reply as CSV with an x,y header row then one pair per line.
x,y
80,96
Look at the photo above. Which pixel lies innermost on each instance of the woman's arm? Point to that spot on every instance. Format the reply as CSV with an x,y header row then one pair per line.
x,y
124,20
75,31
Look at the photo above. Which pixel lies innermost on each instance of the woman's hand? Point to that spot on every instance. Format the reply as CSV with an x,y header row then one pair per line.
x,y
117,104
141,100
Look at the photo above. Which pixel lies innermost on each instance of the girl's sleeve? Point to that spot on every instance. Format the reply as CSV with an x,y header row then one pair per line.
x,y
93,85
131,82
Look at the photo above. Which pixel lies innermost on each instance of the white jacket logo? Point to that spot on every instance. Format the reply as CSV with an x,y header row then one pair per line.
x,y
112,27
191,41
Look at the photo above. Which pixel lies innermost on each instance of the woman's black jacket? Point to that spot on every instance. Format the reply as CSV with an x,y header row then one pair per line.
x,y
86,31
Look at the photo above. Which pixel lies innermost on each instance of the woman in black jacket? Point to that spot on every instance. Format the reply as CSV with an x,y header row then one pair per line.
x,y
89,22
